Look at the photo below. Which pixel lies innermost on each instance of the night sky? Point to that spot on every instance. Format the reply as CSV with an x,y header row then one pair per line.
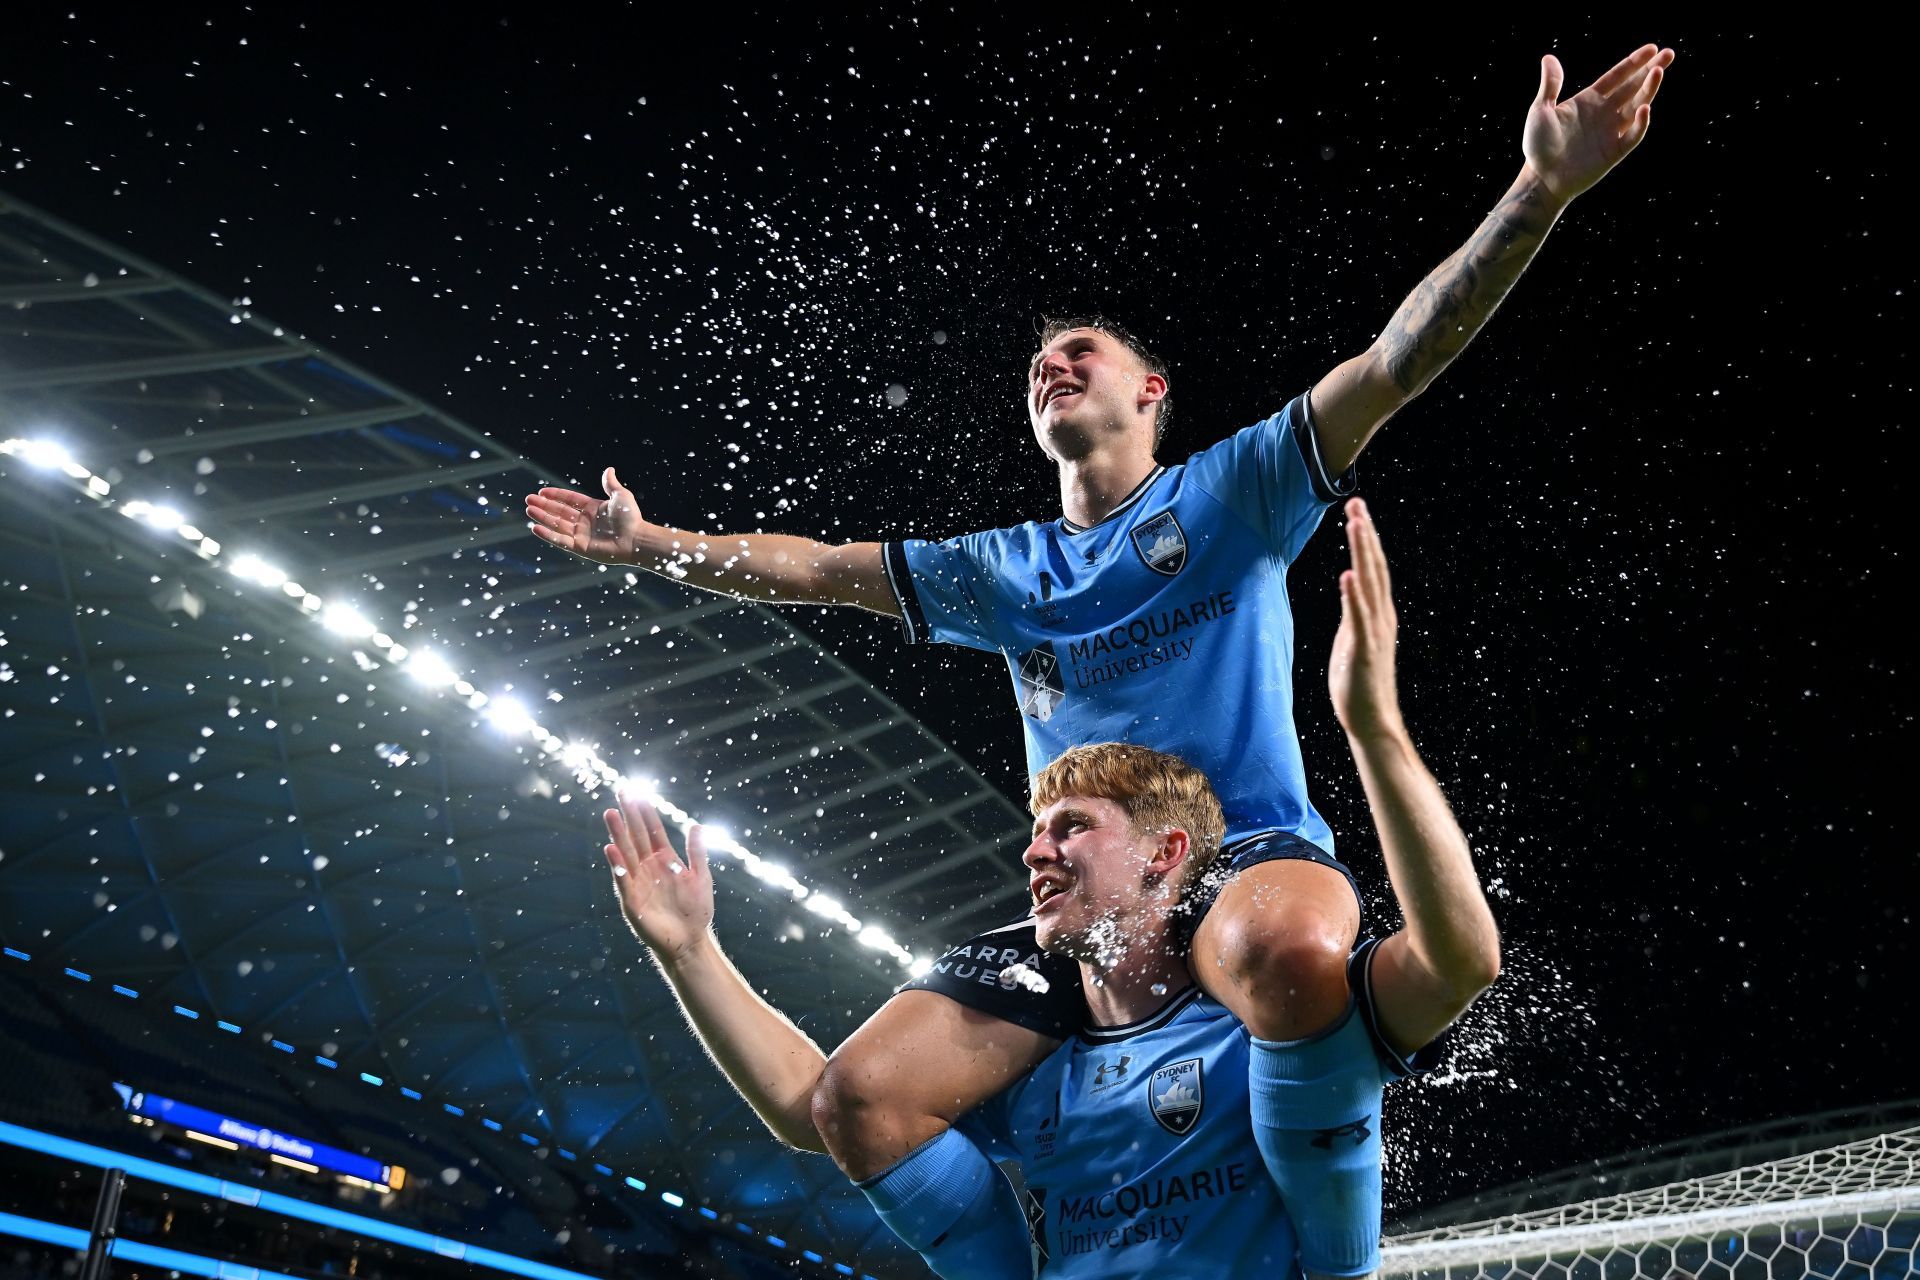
x,y
1647,533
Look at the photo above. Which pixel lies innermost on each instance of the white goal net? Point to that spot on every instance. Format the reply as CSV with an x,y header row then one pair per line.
x,y
1849,1211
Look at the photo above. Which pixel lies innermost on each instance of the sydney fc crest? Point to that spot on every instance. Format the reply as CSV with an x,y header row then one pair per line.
x,y
1041,685
1174,1095
1162,544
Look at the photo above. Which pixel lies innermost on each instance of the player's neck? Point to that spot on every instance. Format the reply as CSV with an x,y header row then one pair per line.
x,y
1137,986
1092,486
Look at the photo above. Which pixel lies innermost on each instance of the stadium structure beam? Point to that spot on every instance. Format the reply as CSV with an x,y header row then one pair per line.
x,y
690,675
759,711
843,795
156,367
18,295
683,617
913,819
546,653
288,785
413,552
800,755
544,588
45,332
113,767
218,438
937,923
932,868
413,481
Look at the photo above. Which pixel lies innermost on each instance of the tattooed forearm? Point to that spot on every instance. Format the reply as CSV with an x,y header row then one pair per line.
x,y
1451,305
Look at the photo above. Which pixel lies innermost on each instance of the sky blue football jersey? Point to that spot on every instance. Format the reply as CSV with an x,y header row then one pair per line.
x,y
1137,1149
1166,625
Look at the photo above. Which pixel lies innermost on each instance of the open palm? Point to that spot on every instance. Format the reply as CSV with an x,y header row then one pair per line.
x,y
1572,144
668,903
1360,670
606,530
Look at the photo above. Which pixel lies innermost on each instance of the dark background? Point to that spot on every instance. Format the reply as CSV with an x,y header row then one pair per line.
x,y
1647,532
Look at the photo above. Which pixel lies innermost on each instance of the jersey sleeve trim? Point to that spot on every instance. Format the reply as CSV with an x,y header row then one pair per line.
x,y
1360,980
913,618
1328,489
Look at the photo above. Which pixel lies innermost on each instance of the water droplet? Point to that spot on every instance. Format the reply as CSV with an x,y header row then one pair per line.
x,y
1158,988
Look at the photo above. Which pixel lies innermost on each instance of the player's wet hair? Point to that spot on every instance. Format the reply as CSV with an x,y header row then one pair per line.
x,y
1158,791
1052,327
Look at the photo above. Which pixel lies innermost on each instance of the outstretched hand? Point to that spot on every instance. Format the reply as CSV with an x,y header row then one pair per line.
x,y
1360,672
607,530
1571,145
668,903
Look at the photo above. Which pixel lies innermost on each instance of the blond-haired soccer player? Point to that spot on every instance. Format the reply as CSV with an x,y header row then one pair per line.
x,y
1134,1136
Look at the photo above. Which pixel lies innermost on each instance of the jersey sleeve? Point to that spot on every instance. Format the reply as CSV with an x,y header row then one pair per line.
x,y
1272,476
990,1127
1393,1064
941,588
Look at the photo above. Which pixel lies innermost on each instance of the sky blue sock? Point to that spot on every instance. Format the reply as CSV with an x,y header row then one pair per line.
x,y
1316,1118
952,1206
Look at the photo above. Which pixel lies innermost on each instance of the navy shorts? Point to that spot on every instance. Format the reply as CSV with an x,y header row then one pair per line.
x,y
1003,973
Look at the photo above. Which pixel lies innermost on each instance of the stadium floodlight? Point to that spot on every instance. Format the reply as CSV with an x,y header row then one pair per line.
x,y
430,668
254,569
509,715
47,454
345,620
582,759
647,791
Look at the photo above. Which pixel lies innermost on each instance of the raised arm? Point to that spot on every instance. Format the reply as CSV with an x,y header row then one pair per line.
x,y
1569,146
669,906
753,566
1448,951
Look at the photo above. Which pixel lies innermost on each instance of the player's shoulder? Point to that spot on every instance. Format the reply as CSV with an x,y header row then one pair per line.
x,y
984,548
1283,421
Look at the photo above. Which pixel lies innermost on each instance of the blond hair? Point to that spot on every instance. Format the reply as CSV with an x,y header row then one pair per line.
x,y
1159,792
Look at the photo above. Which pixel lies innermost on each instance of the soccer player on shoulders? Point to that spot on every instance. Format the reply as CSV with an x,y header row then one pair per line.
x,y
1152,611
1133,1137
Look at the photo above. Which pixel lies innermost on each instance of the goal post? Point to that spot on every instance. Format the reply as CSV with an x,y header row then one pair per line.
x,y
1851,1210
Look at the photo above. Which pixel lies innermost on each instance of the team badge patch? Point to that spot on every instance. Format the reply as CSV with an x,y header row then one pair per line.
x,y
1041,685
1174,1096
1162,544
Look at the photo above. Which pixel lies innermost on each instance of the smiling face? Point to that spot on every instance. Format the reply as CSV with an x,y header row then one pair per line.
x,y
1099,887
1085,389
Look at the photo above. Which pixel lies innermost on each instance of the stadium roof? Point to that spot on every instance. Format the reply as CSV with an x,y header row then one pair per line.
x,y
220,788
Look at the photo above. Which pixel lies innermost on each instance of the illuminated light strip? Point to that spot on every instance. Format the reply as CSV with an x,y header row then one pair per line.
x,y
210,1140
189,1264
274,1203
505,713
398,1174
186,1264
12,1224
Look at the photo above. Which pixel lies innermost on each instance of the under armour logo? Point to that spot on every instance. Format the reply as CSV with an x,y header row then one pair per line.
x,y
1358,1131
1119,1070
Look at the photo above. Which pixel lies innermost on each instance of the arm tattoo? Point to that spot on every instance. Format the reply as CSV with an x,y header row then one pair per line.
x,y
1452,304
